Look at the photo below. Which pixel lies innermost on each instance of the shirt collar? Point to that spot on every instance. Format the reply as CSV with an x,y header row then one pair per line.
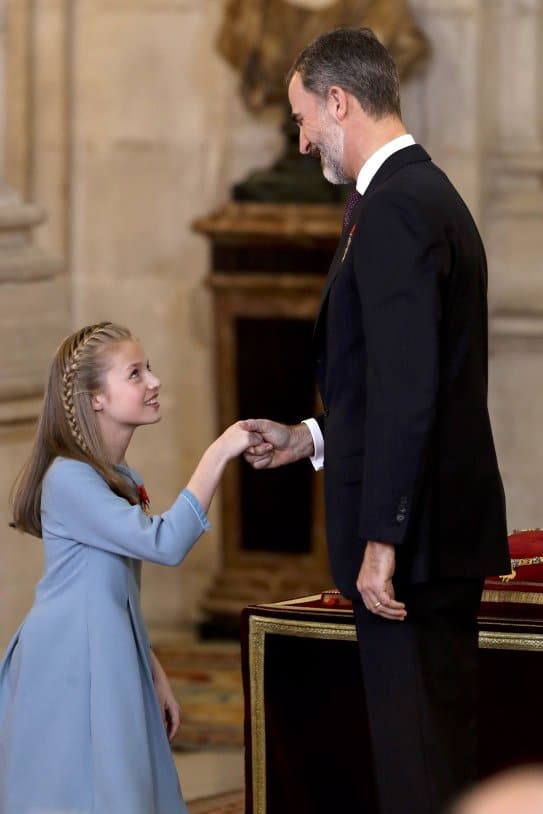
x,y
375,161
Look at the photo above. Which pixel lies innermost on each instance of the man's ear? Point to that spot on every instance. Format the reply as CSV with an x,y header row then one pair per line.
x,y
337,103
97,402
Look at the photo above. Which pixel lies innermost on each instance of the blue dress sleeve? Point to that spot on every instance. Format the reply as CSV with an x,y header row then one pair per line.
x,y
77,504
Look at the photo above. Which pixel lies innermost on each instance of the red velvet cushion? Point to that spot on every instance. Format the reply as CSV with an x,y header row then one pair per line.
x,y
524,584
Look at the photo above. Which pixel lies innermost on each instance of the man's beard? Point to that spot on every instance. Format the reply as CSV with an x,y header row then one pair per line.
x,y
331,155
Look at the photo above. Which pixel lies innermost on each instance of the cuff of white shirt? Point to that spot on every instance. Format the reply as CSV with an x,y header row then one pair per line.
x,y
317,459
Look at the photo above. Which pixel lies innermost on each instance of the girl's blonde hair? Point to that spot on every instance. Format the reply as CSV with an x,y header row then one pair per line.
x,y
68,424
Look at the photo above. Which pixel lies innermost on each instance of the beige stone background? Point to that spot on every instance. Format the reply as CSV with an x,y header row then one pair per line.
x,y
120,120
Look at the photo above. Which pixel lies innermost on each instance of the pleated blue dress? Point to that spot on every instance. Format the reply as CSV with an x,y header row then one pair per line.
x,y
81,730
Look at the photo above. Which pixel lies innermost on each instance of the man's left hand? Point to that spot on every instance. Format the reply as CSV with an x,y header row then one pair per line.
x,y
375,581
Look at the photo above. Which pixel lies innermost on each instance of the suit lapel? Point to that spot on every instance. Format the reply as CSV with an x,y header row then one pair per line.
x,y
409,155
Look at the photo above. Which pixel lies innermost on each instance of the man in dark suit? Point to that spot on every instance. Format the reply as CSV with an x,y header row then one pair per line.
x,y
414,501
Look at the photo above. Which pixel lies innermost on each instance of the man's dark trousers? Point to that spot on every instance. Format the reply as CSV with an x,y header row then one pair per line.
x,y
420,682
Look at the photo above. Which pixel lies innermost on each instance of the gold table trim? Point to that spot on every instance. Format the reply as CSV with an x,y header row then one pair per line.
x,y
260,626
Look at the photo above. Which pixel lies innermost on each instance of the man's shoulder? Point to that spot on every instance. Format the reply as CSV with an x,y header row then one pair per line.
x,y
391,198
420,186
426,170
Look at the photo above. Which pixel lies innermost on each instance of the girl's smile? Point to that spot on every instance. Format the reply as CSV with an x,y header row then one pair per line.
x,y
129,398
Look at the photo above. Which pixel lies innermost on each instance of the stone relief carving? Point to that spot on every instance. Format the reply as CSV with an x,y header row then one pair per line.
x,y
261,39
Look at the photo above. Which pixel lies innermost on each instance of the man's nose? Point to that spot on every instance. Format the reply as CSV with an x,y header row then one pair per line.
x,y
305,144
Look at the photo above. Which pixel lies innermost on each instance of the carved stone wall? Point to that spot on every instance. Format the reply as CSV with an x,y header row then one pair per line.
x,y
513,216
479,111
33,286
125,125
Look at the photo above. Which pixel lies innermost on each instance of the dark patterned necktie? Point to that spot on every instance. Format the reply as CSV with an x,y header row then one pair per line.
x,y
350,204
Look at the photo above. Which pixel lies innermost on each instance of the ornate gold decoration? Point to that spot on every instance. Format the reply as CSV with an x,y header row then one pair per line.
x,y
515,563
513,597
259,627
497,640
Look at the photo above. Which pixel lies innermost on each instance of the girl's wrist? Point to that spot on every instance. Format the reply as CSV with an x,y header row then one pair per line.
x,y
219,453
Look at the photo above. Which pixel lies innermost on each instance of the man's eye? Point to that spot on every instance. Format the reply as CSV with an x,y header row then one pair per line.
x,y
149,366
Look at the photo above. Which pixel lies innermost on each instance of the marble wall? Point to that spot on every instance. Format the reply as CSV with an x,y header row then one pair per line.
x,y
125,125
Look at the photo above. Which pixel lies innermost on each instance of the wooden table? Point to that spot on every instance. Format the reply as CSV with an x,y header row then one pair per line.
x,y
307,748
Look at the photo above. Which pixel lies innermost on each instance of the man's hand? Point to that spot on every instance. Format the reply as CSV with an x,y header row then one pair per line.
x,y
281,443
375,582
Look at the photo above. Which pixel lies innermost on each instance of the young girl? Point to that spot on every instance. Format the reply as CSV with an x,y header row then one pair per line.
x,y
83,700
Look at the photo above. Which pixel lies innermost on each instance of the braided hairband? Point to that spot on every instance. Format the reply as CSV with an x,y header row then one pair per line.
x,y
68,385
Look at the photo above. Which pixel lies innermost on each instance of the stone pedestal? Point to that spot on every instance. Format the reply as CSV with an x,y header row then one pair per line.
x,y
268,267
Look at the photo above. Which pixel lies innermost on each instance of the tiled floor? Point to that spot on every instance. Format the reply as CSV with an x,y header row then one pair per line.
x,y
203,774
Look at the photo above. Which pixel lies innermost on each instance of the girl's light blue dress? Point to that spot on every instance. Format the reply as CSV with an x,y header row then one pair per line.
x,y
81,730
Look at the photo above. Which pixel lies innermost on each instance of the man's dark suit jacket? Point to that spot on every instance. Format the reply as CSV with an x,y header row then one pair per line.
x,y
401,348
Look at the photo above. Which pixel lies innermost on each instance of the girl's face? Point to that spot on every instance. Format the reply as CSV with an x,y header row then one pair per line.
x,y
130,395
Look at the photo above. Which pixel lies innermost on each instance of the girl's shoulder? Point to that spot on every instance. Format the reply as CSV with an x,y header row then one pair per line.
x,y
66,483
68,468
66,472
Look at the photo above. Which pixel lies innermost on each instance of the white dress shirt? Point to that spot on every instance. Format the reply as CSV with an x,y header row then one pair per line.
x,y
365,177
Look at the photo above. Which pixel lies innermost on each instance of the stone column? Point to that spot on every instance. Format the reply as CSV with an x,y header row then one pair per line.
x,y
477,107
33,315
512,76
29,305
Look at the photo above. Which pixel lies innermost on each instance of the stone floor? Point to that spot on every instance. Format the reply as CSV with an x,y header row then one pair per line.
x,y
203,774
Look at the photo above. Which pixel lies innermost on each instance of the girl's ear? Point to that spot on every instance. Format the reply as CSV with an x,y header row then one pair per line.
x,y
97,402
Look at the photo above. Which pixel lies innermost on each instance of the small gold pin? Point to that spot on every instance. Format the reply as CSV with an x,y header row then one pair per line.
x,y
347,247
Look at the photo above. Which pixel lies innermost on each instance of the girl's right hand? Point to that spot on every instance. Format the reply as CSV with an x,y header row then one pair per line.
x,y
237,438
234,440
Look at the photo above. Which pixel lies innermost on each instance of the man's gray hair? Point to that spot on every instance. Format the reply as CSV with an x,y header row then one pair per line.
x,y
355,60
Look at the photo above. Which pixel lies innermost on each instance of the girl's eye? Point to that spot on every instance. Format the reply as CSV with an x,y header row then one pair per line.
x,y
134,373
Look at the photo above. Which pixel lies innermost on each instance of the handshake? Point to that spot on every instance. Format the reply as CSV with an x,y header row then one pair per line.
x,y
267,444
264,445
